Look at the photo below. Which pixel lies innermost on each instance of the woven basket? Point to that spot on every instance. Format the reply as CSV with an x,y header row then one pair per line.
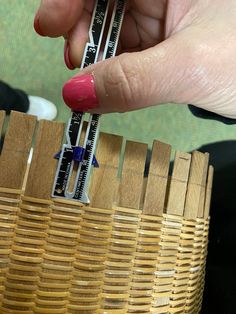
x,y
140,247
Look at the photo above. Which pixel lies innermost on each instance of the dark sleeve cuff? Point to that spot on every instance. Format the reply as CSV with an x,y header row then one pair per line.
x,y
201,113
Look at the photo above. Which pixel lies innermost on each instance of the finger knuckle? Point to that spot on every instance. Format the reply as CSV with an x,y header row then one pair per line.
x,y
123,79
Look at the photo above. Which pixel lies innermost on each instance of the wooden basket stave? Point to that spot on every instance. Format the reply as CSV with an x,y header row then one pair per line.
x,y
131,251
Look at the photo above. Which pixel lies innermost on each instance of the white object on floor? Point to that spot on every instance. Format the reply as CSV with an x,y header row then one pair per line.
x,y
42,108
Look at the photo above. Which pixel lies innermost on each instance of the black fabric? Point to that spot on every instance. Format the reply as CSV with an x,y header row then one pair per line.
x,y
201,113
220,289
13,99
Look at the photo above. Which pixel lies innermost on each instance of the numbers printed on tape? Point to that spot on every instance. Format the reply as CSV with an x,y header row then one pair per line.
x,y
66,161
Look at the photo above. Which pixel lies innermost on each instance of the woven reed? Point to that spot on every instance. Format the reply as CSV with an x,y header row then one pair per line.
x,y
9,202
139,247
58,257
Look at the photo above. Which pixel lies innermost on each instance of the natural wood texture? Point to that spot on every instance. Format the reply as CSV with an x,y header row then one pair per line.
x,y
185,268
157,179
201,278
13,161
2,118
95,229
189,256
43,165
31,227
89,263
178,185
131,183
16,149
201,208
207,204
119,262
9,206
166,261
145,263
195,197
149,231
195,247
104,182
26,256
170,235
58,256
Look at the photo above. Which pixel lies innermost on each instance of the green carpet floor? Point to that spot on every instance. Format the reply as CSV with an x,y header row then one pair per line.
x,y
36,65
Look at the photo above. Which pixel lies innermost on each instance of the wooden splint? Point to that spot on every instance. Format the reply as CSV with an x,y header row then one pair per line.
x,y
139,247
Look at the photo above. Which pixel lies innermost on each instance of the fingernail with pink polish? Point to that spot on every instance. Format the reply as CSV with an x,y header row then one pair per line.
x,y
79,93
66,56
37,25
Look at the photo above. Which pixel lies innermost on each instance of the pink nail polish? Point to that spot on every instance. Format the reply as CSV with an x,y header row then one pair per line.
x,y
37,26
79,93
66,56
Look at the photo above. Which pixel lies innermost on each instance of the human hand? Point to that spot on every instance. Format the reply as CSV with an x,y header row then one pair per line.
x,y
170,52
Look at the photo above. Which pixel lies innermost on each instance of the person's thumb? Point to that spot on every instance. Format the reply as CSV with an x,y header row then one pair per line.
x,y
128,82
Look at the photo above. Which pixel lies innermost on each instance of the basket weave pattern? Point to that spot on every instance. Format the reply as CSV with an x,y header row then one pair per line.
x,y
139,247
61,258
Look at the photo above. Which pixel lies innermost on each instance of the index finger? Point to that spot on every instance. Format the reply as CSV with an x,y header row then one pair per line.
x,y
57,17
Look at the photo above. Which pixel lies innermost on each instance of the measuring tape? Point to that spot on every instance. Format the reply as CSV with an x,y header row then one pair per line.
x,y
67,159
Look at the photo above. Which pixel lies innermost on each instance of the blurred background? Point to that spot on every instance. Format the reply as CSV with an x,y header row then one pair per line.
x,y
35,64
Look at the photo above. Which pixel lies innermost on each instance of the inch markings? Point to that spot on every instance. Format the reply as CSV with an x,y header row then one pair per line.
x,y
94,122
74,129
73,132
95,33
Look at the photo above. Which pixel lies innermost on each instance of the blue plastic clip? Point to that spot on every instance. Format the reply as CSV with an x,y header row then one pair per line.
x,y
78,155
